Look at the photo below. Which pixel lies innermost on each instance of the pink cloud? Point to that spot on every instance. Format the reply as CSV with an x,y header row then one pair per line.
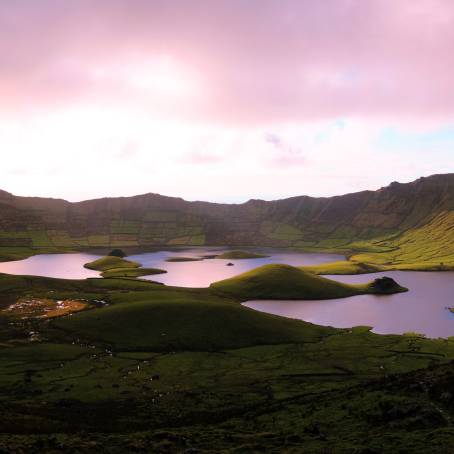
x,y
258,61
285,155
128,150
201,158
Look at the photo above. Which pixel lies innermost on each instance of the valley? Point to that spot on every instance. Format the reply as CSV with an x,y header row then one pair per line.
x,y
170,350
401,226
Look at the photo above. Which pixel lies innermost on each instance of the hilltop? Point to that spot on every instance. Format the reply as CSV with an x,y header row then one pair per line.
x,y
288,282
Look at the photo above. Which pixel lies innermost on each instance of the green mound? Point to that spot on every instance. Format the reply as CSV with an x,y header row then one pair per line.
x,y
342,267
238,255
183,259
112,266
173,321
109,263
131,272
288,282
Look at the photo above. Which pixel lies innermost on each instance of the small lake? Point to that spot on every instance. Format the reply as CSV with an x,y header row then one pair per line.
x,y
184,274
422,309
203,273
63,266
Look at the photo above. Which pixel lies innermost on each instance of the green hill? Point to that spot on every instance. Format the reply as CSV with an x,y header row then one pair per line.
x,y
170,320
110,262
288,282
113,266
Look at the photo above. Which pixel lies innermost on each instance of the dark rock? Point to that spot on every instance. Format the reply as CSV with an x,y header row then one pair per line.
x,y
229,264
386,284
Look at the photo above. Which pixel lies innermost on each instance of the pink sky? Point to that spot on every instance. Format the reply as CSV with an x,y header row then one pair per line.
x,y
180,96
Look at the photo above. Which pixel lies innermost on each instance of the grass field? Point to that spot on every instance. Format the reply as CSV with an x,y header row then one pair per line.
x,y
150,368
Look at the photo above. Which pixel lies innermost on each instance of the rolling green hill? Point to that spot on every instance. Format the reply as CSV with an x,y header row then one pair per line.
x,y
288,282
110,262
407,225
149,368
112,266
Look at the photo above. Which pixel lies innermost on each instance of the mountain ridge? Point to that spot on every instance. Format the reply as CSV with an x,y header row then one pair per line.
x,y
393,183
363,222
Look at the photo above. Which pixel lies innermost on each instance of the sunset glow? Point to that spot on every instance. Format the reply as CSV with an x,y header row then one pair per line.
x,y
170,99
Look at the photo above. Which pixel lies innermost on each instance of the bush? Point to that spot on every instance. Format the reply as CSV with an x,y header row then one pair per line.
x,y
117,253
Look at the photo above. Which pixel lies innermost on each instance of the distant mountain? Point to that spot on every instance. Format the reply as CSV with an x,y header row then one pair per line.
x,y
395,218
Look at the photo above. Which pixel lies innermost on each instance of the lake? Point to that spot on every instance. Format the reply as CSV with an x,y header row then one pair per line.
x,y
185,274
203,273
64,266
422,309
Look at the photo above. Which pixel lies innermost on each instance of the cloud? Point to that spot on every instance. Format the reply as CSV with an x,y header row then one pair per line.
x,y
201,158
257,98
285,155
128,150
251,62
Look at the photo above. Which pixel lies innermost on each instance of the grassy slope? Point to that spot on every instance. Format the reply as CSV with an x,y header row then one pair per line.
x,y
407,226
290,385
108,263
131,272
286,282
429,247
174,321
342,267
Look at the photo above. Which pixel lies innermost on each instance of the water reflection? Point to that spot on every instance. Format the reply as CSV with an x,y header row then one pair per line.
x,y
203,273
64,266
422,309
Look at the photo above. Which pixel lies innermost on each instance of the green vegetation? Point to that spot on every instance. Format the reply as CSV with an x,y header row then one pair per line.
x,y
426,248
131,272
288,282
238,255
113,266
151,368
184,259
117,253
109,263
20,253
344,267
370,227
173,320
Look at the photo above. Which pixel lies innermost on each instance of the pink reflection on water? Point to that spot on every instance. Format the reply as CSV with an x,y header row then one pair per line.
x,y
203,273
64,266
423,309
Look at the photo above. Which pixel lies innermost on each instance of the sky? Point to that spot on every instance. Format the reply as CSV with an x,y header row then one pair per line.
x,y
223,100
